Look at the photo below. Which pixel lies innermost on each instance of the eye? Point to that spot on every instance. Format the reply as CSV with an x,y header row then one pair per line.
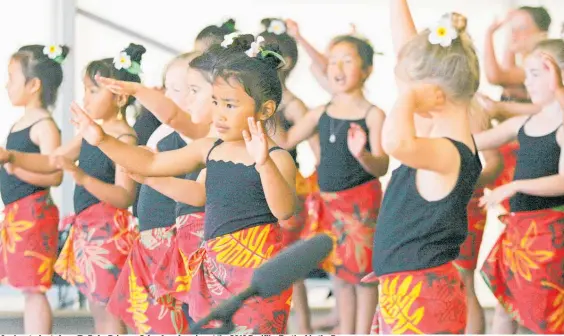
x,y
230,106
214,103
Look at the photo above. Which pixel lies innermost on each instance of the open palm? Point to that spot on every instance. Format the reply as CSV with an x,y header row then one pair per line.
x,y
356,140
255,141
117,86
87,128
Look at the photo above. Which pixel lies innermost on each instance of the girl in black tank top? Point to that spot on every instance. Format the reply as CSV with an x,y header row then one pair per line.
x,y
30,220
423,220
534,227
241,230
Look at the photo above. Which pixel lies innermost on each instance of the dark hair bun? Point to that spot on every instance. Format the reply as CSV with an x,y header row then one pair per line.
x,y
241,43
271,55
135,52
266,23
66,51
228,26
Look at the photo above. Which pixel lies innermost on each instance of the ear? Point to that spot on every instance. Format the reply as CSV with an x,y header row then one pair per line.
x,y
121,100
34,85
267,110
289,61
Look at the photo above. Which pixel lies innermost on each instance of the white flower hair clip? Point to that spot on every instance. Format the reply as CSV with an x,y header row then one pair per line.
x,y
54,52
229,38
255,47
443,33
277,27
123,61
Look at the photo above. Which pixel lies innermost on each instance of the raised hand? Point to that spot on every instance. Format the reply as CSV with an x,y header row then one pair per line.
x,y
255,141
426,97
489,105
356,140
292,28
88,129
117,86
78,175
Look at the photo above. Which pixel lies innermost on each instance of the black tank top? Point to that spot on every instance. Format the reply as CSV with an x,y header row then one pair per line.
x,y
415,234
14,189
538,157
338,169
96,164
186,209
145,125
235,198
154,209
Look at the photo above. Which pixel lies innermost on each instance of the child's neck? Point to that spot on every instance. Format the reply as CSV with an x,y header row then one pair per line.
x,y
110,120
552,108
33,107
454,124
349,98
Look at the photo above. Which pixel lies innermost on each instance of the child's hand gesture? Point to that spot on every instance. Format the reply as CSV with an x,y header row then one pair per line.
x,y
118,87
356,140
88,129
256,143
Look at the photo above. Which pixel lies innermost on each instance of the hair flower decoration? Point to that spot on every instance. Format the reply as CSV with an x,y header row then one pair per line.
x,y
277,27
255,47
228,39
54,52
443,33
123,61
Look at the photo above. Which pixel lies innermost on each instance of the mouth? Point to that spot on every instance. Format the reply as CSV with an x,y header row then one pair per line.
x,y
221,128
340,79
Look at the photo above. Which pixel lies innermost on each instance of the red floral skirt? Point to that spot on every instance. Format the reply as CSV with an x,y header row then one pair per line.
x,y
28,242
96,250
525,269
468,257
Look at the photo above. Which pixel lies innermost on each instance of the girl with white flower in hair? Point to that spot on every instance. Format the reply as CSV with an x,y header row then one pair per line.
x,y
423,219
290,111
30,217
101,232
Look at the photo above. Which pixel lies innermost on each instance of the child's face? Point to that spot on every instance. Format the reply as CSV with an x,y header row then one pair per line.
x,y
175,83
200,97
232,107
19,91
98,102
344,70
537,80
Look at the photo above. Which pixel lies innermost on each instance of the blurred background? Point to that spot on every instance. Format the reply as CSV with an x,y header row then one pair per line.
x,y
101,28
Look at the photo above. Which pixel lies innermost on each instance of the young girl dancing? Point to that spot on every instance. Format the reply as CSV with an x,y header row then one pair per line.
x,y
525,268
249,184
423,220
30,226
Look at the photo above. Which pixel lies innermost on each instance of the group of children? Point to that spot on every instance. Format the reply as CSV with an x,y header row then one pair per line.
x,y
220,193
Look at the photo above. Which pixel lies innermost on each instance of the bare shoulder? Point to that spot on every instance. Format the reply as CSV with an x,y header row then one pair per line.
x,y
375,116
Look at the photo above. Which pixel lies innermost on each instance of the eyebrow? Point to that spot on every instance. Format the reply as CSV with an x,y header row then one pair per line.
x,y
226,100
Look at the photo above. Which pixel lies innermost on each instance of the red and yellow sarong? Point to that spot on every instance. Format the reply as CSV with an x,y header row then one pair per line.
x,y
96,250
430,301
509,153
28,242
224,266
349,216
134,298
173,273
293,228
525,269
468,257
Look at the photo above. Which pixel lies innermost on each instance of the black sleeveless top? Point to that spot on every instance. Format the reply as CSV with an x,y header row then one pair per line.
x,y
414,233
154,209
182,209
538,157
338,169
145,125
96,164
12,188
235,198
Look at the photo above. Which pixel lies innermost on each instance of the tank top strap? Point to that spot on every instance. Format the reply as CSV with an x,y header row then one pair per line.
x,y
215,144
272,149
368,111
35,123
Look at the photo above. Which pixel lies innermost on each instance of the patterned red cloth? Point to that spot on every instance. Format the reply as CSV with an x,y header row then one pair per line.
x,y
525,269
468,257
224,266
28,242
96,250
349,216
430,301
134,300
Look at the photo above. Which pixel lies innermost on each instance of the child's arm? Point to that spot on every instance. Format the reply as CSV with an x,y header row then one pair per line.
x,y
499,135
41,163
303,129
139,160
157,103
296,111
495,73
493,166
179,189
403,28
277,172
376,161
